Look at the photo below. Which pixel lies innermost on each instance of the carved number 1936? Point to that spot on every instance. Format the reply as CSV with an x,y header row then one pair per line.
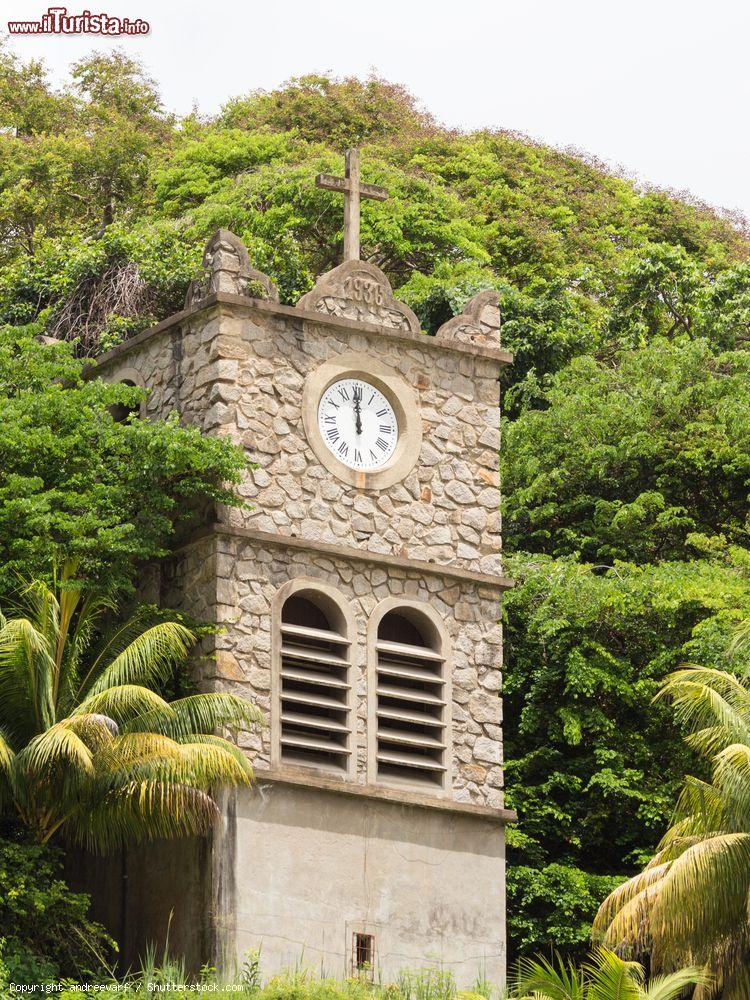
x,y
362,290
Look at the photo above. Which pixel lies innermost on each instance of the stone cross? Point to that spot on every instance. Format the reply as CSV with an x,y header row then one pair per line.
x,y
352,189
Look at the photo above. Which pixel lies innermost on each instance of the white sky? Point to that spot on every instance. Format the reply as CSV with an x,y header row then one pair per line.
x,y
660,87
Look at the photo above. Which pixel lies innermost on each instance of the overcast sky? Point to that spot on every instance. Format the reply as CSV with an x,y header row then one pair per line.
x,y
660,87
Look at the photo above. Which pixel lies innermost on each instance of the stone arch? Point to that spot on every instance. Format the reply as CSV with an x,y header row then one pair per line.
x,y
128,376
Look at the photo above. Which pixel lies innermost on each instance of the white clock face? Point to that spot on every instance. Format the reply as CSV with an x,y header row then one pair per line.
x,y
357,424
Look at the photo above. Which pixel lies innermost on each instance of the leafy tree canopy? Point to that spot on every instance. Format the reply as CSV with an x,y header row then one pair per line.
x,y
630,459
47,932
592,767
97,180
77,481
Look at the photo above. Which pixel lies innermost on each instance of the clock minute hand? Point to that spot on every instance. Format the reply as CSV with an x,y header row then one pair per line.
x,y
358,418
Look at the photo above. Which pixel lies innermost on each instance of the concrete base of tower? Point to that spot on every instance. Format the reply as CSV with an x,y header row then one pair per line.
x,y
320,879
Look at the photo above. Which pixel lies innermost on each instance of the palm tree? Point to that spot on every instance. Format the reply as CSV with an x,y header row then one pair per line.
x,y
691,902
603,977
88,749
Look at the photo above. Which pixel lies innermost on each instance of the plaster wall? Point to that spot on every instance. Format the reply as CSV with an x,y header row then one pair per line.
x,y
313,867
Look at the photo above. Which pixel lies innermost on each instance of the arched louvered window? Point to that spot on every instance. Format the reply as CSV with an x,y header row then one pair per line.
x,y
412,699
314,688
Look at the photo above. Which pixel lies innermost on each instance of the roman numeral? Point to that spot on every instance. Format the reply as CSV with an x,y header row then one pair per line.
x,y
358,394
330,420
344,449
372,454
386,428
381,413
331,403
381,444
371,399
357,455
343,393
333,435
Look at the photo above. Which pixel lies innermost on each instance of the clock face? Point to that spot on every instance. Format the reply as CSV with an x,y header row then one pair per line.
x,y
357,424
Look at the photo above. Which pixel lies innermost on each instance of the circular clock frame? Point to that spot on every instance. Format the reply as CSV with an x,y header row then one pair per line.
x,y
399,394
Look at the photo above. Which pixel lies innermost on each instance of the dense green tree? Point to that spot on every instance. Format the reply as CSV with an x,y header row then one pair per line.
x,y
568,242
631,459
592,767
47,934
76,481
340,112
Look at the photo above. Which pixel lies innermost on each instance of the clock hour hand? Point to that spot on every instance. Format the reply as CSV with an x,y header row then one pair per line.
x,y
357,415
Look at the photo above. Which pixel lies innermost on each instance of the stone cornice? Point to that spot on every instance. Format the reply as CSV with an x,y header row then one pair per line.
x,y
290,312
309,779
355,555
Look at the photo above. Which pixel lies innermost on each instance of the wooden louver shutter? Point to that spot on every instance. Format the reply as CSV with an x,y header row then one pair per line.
x,y
410,713
315,717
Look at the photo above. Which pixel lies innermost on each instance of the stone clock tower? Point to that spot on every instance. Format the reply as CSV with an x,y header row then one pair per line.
x,y
359,598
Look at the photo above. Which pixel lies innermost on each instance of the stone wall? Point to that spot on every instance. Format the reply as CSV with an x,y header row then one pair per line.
x,y
240,371
238,368
249,573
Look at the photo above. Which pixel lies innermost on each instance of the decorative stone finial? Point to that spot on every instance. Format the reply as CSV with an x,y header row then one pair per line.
x,y
479,323
360,291
226,268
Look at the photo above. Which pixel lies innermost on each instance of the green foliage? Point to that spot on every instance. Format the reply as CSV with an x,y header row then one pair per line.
x,y
341,112
629,460
46,931
691,899
78,482
605,976
592,767
88,749
582,257
551,907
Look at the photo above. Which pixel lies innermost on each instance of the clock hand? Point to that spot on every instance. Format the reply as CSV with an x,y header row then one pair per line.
x,y
358,418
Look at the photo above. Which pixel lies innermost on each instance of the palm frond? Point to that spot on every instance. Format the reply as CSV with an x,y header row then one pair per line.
x,y
201,713
111,645
675,985
118,762
705,698
715,871
27,673
142,810
538,976
741,638
621,916
83,629
212,765
701,807
231,748
60,744
126,702
148,659
6,755
612,978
